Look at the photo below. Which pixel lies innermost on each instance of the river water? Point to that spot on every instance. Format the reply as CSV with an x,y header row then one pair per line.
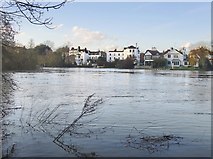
x,y
136,103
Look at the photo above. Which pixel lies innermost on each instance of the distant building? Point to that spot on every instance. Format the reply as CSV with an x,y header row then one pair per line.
x,y
84,56
130,51
210,57
176,58
94,55
150,55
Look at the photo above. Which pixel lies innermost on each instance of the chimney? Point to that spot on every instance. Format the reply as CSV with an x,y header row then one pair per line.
x,y
153,48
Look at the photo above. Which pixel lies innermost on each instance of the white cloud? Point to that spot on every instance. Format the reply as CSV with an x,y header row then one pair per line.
x,y
112,47
200,43
91,39
21,37
186,45
86,36
22,33
190,46
56,27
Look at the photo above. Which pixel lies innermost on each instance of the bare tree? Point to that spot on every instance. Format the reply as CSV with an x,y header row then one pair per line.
x,y
11,11
49,43
31,44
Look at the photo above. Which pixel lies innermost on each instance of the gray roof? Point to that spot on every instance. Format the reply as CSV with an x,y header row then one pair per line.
x,y
153,52
172,49
130,47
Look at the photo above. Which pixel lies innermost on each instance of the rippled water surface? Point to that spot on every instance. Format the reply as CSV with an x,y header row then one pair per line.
x,y
153,102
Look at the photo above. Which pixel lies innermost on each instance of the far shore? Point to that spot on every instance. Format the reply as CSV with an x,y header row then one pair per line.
x,y
160,69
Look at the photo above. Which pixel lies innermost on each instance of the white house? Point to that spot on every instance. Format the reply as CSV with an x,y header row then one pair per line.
x,y
83,56
150,55
94,55
176,58
130,51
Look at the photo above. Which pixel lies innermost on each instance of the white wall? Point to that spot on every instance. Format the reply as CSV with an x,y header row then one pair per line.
x,y
122,55
115,55
174,55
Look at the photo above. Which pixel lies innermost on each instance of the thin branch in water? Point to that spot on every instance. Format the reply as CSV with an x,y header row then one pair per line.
x,y
87,109
152,144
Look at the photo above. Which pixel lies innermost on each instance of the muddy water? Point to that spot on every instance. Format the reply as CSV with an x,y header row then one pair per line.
x,y
155,103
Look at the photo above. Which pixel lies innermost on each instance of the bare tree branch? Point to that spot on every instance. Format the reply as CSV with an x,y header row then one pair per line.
x,y
11,11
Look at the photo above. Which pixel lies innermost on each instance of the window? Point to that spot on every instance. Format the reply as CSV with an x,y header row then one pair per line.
x,y
148,57
169,56
175,56
110,58
185,63
169,62
176,63
130,50
118,54
109,54
133,50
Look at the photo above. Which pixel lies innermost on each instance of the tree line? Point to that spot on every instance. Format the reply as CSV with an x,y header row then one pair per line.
x,y
22,58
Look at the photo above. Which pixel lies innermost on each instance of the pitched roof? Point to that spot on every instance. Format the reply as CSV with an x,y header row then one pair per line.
x,y
153,52
116,51
130,47
165,52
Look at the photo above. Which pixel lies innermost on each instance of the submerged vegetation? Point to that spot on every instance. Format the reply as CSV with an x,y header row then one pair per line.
x,y
139,140
46,120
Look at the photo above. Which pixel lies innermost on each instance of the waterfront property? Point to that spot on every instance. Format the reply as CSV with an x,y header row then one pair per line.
x,y
130,51
175,57
150,55
83,56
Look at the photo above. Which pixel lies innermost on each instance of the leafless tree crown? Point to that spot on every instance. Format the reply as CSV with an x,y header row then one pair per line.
x,y
11,11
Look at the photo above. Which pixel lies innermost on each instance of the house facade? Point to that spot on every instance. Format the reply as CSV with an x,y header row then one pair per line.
x,y
84,56
94,55
81,55
150,55
176,58
130,51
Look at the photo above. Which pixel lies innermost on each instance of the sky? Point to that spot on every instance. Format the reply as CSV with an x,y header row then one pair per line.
x,y
110,25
